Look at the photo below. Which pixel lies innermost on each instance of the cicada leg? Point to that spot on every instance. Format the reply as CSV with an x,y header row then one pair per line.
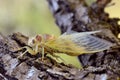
x,y
36,49
28,49
22,54
43,52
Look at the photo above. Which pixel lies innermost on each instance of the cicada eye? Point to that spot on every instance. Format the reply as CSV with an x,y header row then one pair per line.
x,y
39,38
33,41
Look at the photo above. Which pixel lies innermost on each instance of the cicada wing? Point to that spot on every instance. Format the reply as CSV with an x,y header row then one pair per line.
x,y
74,33
79,43
89,42
92,44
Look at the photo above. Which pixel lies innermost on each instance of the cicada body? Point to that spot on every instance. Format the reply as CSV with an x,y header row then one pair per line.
x,y
72,44
78,43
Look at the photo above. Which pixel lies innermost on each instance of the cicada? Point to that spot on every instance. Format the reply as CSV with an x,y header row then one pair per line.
x,y
72,44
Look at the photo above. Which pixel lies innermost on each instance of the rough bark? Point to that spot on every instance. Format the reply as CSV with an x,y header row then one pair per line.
x,y
32,68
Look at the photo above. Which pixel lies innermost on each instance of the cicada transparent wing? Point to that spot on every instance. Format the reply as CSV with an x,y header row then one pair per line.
x,y
80,34
91,43
79,43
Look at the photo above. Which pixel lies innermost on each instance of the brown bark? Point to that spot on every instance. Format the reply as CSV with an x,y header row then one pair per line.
x,y
32,68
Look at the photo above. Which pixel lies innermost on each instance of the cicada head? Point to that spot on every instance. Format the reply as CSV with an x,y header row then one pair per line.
x,y
35,40
40,39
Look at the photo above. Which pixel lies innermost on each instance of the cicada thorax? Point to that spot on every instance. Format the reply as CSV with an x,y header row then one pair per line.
x,y
47,37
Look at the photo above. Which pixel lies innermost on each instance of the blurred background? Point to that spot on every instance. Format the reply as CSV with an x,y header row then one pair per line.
x,y
32,17
29,17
